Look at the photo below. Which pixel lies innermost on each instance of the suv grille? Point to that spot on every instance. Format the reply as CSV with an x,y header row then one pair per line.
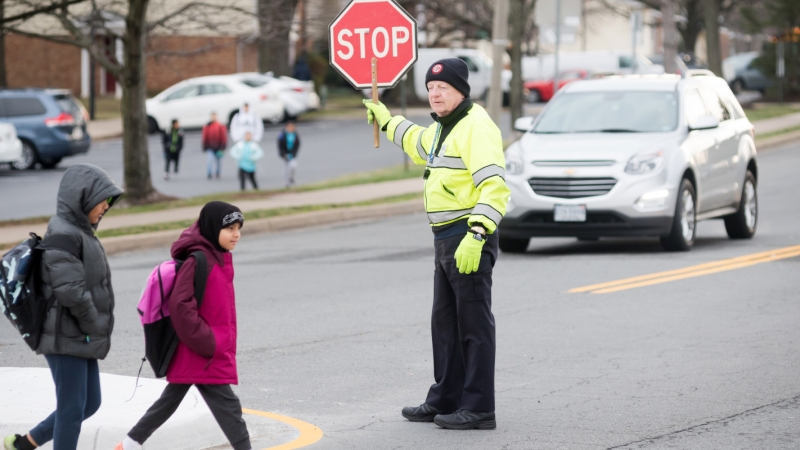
x,y
572,187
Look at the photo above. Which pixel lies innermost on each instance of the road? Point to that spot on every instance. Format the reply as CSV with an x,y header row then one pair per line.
x,y
334,330
330,148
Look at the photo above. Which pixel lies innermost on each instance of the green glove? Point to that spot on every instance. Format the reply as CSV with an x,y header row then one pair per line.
x,y
379,111
468,254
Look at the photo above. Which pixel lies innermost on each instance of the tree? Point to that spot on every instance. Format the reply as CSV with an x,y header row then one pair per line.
x,y
125,20
670,35
275,23
713,50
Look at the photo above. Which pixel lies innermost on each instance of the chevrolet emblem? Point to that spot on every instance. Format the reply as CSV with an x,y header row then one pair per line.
x,y
569,172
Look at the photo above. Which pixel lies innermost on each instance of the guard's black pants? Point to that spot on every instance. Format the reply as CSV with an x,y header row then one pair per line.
x,y
462,327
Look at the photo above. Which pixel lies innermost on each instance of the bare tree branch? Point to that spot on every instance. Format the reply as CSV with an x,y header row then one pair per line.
x,y
40,10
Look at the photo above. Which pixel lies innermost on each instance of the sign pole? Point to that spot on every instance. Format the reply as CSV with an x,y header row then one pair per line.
x,y
376,127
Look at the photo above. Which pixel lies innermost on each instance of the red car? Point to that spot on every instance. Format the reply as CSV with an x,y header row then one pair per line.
x,y
542,90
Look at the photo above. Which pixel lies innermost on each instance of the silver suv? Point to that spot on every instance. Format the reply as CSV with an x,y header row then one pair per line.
x,y
633,156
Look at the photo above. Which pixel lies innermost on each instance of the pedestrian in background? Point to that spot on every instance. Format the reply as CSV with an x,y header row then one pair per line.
x,y
214,140
206,352
245,121
173,144
77,329
463,154
247,152
288,148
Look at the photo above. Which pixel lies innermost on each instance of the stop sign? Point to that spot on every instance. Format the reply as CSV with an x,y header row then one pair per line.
x,y
373,28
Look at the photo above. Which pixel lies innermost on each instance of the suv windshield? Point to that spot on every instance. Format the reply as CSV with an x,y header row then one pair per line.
x,y
610,112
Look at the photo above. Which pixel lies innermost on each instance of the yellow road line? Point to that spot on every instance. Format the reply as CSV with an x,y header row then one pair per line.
x,y
309,433
692,271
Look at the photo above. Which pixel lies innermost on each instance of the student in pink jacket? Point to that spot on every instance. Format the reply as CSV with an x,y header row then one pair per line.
x,y
206,354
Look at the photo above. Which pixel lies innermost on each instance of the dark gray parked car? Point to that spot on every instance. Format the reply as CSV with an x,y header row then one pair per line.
x,y
50,123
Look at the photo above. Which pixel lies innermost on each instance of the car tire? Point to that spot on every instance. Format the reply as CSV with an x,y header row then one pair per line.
x,y
231,116
512,245
278,118
152,125
742,224
49,163
28,160
684,222
737,86
534,96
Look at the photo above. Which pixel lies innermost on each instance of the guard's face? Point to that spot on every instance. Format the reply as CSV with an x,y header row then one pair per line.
x,y
443,97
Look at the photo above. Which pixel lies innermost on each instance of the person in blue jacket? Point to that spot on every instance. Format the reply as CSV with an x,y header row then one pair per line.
x,y
247,152
288,148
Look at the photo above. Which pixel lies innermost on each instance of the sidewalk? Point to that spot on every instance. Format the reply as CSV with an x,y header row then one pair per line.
x,y
27,397
333,196
104,129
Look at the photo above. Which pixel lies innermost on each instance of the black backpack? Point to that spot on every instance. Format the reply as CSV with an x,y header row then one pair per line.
x,y
160,338
21,298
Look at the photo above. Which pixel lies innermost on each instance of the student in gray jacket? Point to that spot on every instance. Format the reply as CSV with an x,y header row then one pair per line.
x,y
77,329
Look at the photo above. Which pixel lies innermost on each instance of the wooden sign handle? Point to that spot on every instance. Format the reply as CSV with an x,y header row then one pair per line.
x,y
376,127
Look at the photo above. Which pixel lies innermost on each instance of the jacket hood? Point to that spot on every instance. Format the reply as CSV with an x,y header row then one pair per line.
x,y
83,187
191,241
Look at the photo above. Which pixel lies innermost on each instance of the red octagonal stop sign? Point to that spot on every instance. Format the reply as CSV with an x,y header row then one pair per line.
x,y
373,28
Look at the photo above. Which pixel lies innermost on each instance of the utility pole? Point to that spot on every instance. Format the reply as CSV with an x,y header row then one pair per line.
x,y
499,43
558,44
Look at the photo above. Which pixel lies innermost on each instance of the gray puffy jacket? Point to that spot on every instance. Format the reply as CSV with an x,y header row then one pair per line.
x,y
82,317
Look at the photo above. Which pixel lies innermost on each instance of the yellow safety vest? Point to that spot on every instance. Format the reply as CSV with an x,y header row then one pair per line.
x,y
466,178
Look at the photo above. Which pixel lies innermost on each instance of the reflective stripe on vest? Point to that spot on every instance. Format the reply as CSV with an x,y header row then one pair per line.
x,y
400,131
445,216
420,148
448,162
488,172
488,211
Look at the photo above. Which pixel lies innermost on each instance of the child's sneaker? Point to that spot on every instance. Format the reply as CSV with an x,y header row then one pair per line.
x,y
8,443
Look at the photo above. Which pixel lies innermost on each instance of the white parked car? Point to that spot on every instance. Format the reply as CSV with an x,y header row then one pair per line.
x,y
192,101
10,145
297,96
633,156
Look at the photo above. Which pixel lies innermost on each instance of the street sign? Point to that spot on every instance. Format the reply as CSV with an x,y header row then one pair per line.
x,y
367,29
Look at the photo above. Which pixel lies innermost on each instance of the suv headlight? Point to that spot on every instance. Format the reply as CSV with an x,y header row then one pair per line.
x,y
514,162
645,162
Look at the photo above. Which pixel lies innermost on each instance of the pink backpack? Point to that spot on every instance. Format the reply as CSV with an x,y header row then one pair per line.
x,y
160,339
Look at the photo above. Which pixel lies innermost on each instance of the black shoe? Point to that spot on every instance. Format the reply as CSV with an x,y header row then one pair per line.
x,y
421,413
466,420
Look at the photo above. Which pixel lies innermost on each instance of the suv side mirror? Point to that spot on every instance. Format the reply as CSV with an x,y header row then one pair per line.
x,y
703,123
524,123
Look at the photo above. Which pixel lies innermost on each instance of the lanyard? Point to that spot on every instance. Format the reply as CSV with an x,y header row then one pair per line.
x,y
435,141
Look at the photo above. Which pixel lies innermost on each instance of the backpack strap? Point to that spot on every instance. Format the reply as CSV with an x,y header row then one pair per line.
x,y
200,276
65,243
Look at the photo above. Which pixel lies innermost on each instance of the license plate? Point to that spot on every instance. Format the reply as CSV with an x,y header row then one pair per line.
x,y
570,213
77,133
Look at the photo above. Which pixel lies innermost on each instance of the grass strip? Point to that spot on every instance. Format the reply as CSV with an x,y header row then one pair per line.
x,y
770,111
761,137
252,215
373,176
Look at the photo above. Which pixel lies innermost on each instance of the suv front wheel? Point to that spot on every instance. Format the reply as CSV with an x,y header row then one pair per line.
x,y
684,223
742,224
511,245
28,159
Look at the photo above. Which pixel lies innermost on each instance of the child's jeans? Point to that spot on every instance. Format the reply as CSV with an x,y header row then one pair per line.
x,y
214,158
221,400
289,168
77,398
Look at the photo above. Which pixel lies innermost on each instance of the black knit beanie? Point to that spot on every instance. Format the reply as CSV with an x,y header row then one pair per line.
x,y
214,217
452,71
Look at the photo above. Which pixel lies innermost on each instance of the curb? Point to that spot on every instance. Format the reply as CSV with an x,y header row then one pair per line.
x,y
777,141
120,244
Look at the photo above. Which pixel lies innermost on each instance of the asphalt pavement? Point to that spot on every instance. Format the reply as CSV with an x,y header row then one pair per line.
x,y
334,329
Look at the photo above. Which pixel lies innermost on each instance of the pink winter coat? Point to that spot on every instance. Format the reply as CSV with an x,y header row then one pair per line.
x,y
206,353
